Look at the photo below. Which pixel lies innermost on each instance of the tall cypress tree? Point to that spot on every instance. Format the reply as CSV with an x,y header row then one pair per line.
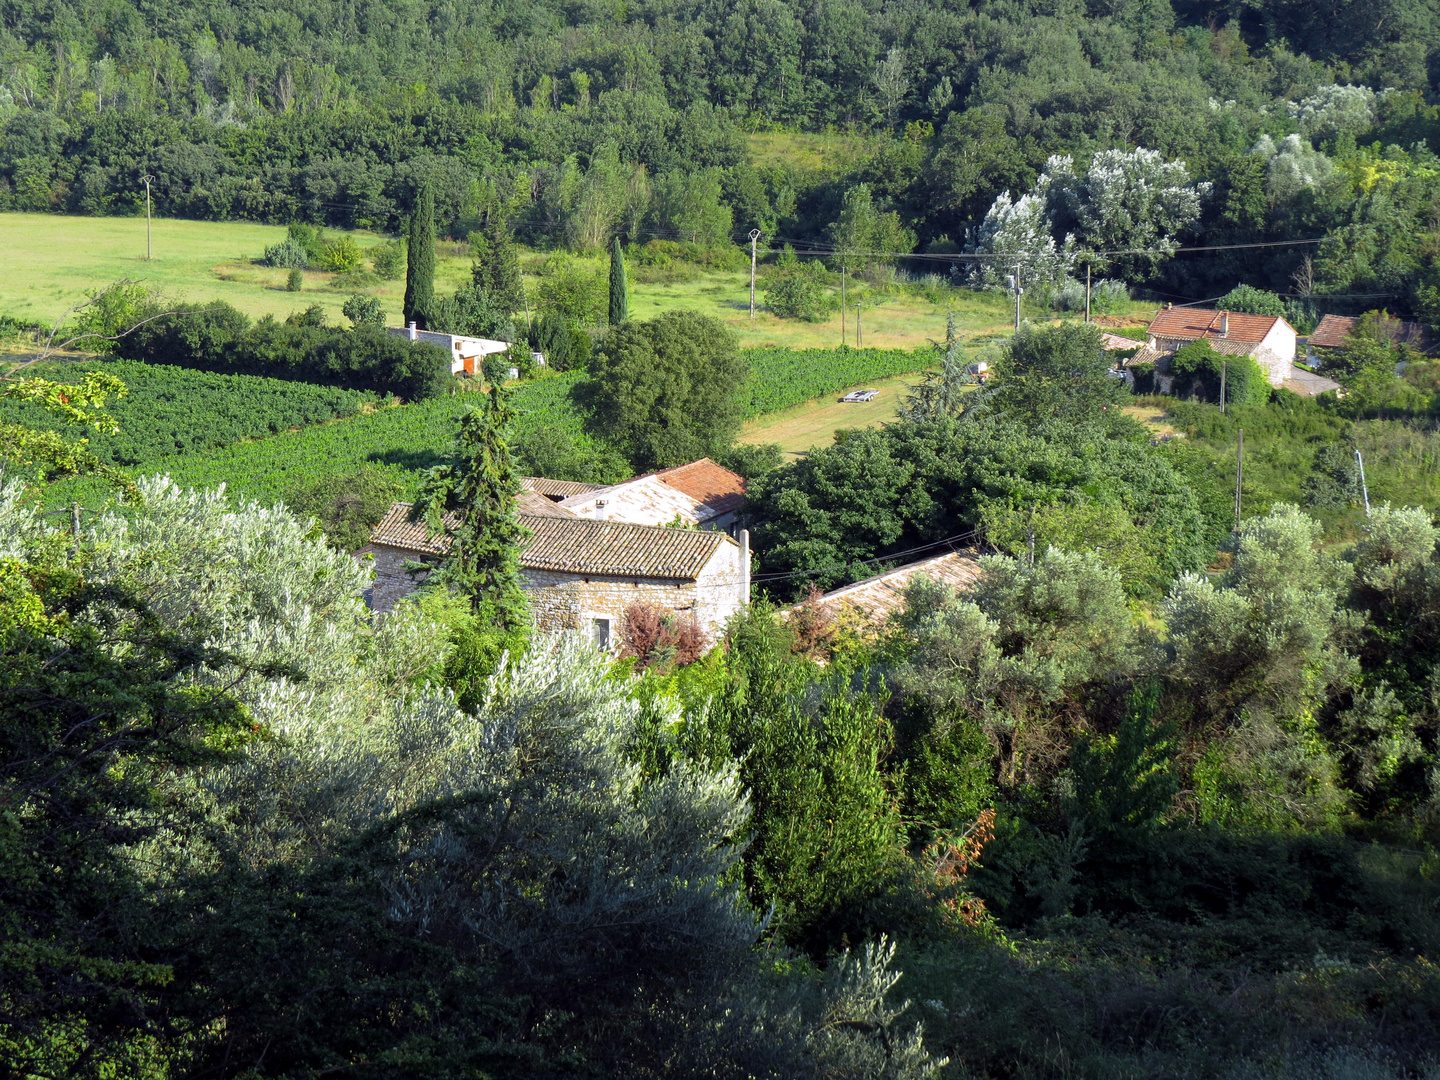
x,y
619,291
420,261
478,485
497,266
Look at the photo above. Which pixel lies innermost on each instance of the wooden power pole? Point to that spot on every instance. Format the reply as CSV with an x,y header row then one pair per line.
x,y
1239,472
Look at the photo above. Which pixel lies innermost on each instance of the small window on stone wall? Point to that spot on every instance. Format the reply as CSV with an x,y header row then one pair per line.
x,y
600,632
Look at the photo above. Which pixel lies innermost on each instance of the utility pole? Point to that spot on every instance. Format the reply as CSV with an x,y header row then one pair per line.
x,y
857,324
1087,292
842,305
1224,369
754,236
1239,472
147,180
1364,491
1015,283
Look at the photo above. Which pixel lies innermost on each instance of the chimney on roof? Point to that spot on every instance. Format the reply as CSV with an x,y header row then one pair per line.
x,y
1224,324
410,331
1168,305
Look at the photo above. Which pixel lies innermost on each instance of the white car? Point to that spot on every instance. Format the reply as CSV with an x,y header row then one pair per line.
x,y
861,395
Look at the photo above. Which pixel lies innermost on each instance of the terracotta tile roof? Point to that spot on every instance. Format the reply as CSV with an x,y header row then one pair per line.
x,y
713,486
878,596
1330,334
1192,324
556,488
583,546
578,545
1110,342
534,504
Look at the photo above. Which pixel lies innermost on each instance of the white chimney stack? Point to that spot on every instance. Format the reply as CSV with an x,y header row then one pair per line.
x,y
745,566
411,331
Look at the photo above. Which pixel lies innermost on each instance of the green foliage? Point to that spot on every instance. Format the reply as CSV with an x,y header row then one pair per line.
x,y
218,338
565,346
941,393
420,261
688,207
474,312
752,459
786,377
169,411
471,499
907,485
619,289
388,260
287,253
569,291
800,294
669,390
346,505
496,269
1254,301
1200,366
1057,371
294,281
359,308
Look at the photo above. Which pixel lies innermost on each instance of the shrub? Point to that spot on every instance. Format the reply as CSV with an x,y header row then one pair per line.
x,y
294,280
286,253
1106,296
1252,301
565,347
1199,368
340,256
659,638
388,259
799,295
360,308
219,338
572,291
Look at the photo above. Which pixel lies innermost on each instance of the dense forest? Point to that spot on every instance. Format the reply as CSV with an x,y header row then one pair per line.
x,y
1285,121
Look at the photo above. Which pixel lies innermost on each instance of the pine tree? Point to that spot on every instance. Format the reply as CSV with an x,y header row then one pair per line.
x,y
619,291
497,266
420,261
478,486
941,393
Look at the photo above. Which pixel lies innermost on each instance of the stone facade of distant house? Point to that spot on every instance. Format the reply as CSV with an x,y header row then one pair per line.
x,y
467,354
701,494
581,574
1269,340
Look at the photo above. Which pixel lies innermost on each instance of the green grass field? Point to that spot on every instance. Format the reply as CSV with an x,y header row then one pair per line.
x,y
66,258
814,423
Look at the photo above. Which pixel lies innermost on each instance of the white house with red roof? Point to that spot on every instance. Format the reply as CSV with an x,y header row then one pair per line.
x,y
1268,339
701,494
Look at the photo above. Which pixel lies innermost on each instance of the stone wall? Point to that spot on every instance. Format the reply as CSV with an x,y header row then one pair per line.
x,y
565,601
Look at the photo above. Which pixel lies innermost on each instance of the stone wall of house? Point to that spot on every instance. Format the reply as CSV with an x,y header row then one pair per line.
x,y
565,601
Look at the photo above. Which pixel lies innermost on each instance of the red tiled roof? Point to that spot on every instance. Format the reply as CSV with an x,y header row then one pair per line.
x,y
534,504
577,545
1331,332
1192,324
713,486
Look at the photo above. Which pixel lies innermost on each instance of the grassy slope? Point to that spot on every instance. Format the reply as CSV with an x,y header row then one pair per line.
x,y
800,427
67,257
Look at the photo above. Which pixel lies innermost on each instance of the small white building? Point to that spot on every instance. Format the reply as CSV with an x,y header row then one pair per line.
x,y
467,354
1268,339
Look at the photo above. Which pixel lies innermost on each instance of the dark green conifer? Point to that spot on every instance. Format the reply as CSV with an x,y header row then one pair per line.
x,y
420,261
497,266
619,291
471,498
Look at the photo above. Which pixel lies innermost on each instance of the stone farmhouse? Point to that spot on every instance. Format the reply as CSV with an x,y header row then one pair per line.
x,y
701,495
1269,340
582,573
